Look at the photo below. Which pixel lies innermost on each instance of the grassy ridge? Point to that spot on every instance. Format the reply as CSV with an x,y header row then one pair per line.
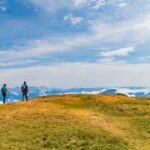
x,y
76,122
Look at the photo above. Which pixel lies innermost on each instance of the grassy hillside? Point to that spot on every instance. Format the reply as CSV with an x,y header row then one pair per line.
x,y
76,122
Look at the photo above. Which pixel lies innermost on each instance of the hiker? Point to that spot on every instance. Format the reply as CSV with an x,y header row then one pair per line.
x,y
24,90
4,91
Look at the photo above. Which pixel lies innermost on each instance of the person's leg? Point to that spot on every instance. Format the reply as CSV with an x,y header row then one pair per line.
x,y
4,98
26,95
22,96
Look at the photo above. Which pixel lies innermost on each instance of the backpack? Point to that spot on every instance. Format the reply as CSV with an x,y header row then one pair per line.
x,y
24,88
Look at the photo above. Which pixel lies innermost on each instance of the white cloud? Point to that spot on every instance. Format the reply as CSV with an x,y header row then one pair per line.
x,y
99,4
134,32
106,60
144,59
79,75
39,48
96,4
119,52
122,4
79,3
2,8
51,5
73,19
3,5
54,5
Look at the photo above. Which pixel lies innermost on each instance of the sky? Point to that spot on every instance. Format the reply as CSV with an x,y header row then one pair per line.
x,y
75,43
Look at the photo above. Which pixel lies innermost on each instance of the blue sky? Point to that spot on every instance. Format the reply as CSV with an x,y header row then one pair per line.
x,y
75,43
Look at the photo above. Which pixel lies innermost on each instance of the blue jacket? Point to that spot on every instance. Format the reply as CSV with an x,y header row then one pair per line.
x,y
4,90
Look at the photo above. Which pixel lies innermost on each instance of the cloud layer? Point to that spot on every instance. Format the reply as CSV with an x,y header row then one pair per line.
x,y
80,74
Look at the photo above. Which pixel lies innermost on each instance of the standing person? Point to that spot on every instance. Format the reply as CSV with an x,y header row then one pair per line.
x,y
24,90
4,91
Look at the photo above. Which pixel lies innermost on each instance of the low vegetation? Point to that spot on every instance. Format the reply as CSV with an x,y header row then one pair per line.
x,y
76,122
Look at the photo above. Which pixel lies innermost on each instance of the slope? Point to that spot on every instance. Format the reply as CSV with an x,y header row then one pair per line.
x,y
76,122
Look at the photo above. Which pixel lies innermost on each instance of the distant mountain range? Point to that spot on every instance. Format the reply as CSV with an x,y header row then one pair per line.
x,y
15,94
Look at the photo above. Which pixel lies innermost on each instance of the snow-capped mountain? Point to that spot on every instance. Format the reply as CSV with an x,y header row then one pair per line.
x,y
15,93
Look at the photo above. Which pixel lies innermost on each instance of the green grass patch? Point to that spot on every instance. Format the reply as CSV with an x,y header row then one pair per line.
x,y
40,133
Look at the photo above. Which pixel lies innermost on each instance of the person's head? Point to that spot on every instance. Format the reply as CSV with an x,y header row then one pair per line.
x,y
5,85
25,82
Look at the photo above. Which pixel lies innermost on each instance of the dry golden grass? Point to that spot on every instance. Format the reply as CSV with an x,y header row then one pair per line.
x,y
94,122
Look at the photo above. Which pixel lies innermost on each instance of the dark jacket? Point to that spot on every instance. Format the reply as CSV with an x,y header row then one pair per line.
x,y
24,88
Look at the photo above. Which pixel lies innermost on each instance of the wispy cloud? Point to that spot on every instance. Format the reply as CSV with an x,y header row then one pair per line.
x,y
74,20
132,31
51,5
3,6
122,4
54,5
99,34
119,52
144,59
